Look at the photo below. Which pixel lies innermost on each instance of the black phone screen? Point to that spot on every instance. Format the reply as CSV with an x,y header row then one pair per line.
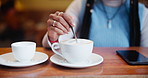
x,y
133,57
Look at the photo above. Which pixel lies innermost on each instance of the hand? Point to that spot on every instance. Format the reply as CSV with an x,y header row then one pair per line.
x,y
58,24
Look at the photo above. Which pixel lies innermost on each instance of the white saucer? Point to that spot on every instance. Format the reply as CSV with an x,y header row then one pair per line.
x,y
94,59
9,60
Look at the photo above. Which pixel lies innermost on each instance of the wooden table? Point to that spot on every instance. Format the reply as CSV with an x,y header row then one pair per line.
x,y
112,67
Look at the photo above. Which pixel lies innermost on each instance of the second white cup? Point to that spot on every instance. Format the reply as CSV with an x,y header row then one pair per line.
x,y
23,51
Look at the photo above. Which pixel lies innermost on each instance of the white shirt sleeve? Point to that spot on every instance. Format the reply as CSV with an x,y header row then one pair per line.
x,y
76,10
45,41
144,32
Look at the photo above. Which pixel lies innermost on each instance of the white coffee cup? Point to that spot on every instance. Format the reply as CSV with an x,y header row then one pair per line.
x,y
75,53
23,51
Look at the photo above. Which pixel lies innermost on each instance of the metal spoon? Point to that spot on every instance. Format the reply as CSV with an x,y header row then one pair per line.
x,y
74,33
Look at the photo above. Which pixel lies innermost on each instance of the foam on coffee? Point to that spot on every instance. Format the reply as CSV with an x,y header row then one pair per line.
x,y
79,41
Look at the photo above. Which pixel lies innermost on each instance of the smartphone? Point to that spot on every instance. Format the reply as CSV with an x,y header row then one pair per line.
x,y
133,57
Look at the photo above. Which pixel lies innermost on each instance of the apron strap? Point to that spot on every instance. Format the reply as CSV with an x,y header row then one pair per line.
x,y
135,34
84,33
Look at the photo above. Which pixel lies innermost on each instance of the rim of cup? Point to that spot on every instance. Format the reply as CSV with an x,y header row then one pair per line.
x,y
24,42
89,41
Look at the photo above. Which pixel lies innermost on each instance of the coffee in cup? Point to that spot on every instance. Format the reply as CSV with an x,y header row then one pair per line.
x,y
23,51
74,52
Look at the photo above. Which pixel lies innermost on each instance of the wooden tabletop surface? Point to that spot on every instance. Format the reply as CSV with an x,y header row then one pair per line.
x,y
112,67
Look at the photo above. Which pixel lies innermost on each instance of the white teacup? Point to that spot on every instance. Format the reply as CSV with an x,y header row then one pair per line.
x,y
75,53
23,51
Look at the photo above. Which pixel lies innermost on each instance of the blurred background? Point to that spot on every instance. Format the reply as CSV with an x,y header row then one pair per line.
x,y
25,20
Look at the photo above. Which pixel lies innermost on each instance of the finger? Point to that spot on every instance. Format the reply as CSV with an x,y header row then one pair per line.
x,y
59,13
61,20
57,24
68,18
49,22
60,26
57,30
56,13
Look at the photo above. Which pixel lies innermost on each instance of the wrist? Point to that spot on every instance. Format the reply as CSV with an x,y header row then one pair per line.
x,y
52,41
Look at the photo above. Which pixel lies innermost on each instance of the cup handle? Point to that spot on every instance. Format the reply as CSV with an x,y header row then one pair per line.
x,y
54,48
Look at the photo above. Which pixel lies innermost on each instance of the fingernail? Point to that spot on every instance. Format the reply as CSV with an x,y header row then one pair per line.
x,y
73,24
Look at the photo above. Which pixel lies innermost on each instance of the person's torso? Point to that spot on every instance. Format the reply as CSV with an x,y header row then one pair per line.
x,y
118,34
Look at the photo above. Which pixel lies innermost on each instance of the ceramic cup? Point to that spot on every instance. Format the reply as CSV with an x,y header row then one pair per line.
x,y
23,51
74,52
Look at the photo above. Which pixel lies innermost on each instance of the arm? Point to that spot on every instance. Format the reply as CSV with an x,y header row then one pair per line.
x,y
144,32
74,10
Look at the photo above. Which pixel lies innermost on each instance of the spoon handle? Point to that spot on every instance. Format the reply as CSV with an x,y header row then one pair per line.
x,y
73,33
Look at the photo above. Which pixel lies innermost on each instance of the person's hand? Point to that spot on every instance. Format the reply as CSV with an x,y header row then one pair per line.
x,y
58,24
